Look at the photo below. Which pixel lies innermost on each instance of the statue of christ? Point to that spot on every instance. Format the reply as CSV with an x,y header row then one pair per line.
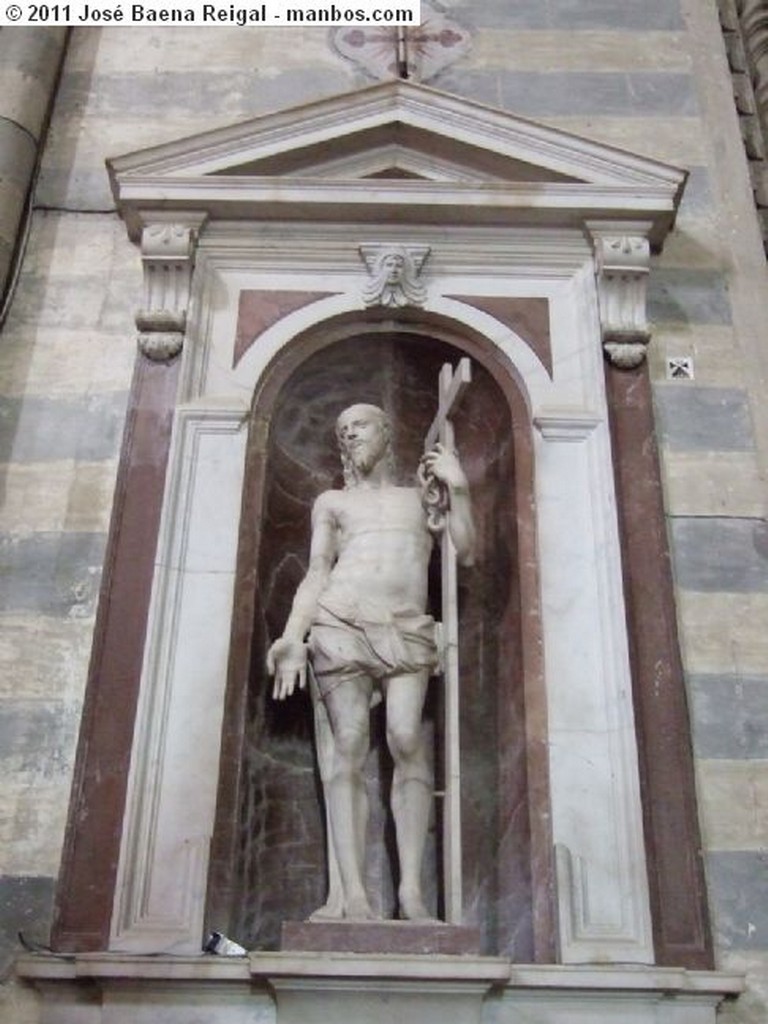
x,y
358,626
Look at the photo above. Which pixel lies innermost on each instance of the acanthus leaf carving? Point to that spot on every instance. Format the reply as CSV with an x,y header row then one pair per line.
x,y
161,346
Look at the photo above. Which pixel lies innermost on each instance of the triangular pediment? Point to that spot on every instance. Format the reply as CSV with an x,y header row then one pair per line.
x,y
322,157
397,150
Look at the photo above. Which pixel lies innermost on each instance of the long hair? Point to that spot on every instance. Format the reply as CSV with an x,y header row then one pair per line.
x,y
349,469
406,289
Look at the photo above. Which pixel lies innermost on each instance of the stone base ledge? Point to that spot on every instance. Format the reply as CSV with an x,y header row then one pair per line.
x,y
322,988
625,978
490,970
123,966
483,970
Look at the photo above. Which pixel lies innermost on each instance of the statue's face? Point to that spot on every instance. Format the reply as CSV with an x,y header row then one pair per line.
x,y
363,436
394,265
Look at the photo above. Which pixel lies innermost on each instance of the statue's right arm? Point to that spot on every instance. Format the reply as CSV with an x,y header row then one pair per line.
x,y
287,657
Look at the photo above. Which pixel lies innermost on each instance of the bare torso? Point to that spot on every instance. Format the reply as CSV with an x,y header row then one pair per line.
x,y
382,548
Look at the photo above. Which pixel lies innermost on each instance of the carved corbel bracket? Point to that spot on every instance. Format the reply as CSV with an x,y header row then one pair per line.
x,y
394,274
622,263
167,252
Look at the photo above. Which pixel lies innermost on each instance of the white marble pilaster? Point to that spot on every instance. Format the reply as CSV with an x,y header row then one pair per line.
x,y
160,893
602,891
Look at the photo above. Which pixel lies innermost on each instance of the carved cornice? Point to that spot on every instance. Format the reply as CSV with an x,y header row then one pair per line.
x,y
167,252
248,171
745,29
569,426
622,263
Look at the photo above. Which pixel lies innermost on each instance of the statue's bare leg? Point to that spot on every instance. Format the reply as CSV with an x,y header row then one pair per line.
x,y
348,706
412,786
333,908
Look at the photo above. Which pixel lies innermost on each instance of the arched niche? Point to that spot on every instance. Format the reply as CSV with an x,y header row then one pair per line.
x,y
268,862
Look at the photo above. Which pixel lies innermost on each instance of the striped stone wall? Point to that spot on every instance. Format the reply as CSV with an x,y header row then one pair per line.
x,y
65,365
648,75
713,437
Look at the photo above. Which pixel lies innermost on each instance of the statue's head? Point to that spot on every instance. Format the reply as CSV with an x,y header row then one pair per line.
x,y
393,266
364,434
394,278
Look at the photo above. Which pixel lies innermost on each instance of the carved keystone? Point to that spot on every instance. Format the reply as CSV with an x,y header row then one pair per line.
x,y
394,274
622,260
167,251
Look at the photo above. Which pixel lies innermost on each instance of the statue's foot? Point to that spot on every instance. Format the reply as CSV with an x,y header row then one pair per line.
x,y
412,907
359,909
332,910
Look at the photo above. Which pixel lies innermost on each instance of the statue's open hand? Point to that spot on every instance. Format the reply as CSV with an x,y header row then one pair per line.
x,y
444,465
287,662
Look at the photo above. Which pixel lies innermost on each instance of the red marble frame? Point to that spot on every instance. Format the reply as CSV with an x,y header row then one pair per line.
x,y
85,891
677,885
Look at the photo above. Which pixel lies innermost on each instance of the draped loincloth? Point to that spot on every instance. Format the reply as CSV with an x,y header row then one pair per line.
x,y
345,646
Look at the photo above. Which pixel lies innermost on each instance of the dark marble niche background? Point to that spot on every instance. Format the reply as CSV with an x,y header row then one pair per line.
x,y
280,863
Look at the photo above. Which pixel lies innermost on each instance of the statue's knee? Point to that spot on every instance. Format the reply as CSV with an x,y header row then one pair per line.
x,y
405,743
351,746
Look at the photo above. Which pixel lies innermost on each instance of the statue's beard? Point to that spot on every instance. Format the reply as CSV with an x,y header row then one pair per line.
x,y
364,458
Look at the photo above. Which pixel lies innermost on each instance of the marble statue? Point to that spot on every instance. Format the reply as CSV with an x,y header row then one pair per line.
x,y
358,630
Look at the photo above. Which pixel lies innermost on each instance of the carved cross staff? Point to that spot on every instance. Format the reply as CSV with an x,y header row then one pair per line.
x,y
451,387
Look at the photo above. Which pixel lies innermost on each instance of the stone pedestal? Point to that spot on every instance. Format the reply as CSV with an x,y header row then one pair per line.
x,y
401,937
326,988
